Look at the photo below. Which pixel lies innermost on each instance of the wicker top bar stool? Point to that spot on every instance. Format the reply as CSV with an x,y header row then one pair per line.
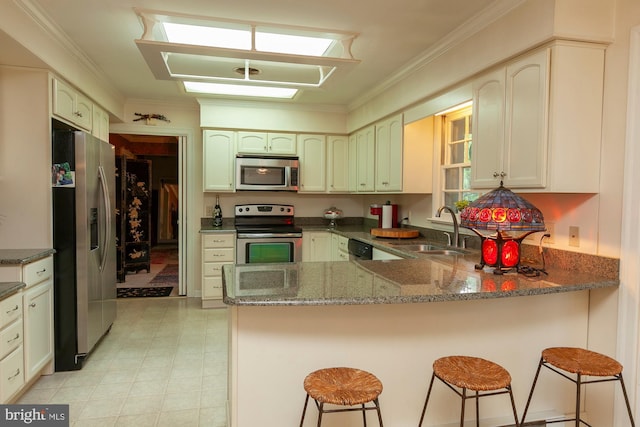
x,y
580,362
344,387
482,376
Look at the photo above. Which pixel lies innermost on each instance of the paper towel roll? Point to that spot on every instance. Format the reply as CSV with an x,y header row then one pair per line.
x,y
387,216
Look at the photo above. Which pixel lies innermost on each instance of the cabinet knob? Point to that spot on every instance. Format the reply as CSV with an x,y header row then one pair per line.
x,y
501,174
32,305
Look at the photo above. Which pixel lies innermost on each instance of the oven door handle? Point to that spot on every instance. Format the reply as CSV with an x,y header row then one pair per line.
x,y
268,235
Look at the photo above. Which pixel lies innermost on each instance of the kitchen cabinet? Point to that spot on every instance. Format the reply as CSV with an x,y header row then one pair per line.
x,y
11,350
388,154
313,160
27,317
100,124
267,143
337,163
38,333
537,121
72,106
218,249
362,160
316,246
218,160
339,247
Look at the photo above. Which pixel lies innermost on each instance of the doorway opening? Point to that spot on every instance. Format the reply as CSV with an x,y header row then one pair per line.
x,y
148,199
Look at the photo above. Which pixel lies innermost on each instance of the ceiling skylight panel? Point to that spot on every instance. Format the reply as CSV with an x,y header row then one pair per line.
x,y
291,44
239,90
207,36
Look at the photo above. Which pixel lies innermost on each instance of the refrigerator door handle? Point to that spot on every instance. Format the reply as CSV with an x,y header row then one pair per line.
x,y
107,207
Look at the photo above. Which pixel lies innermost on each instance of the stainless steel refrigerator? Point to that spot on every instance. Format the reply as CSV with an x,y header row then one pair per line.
x,y
83,186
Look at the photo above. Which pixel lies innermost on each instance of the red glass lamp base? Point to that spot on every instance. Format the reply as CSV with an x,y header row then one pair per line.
x,y
500,252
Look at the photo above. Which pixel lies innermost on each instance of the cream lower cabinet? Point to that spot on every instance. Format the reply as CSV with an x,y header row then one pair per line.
x,y
11,347
339,248
38,333
27,317
218,249
538,119
316,246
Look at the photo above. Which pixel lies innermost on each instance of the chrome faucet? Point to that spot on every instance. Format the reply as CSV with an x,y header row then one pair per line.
x,y
456,230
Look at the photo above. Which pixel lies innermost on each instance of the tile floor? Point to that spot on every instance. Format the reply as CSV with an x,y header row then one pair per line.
x,y
164,363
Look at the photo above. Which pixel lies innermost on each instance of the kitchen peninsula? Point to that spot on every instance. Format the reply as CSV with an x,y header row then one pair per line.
x,y
394,318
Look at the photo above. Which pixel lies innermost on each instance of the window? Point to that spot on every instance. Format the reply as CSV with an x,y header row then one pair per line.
x,y
456,152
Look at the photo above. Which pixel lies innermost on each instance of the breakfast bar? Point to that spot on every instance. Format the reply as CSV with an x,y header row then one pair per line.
x,y
394,318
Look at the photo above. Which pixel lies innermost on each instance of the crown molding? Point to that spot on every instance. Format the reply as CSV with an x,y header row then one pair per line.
x,y
473,25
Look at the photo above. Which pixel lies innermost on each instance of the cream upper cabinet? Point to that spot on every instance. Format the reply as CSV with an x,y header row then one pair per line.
x,y
417,161
362,160
537,121
337,163
219,160
388,154
266,143
71,105
316,246
100,124
313,160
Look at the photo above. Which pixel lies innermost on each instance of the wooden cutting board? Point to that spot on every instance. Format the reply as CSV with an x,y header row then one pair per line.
x,y
396,233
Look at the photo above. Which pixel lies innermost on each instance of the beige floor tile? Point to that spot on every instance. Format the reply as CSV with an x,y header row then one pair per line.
x,y
142,405
181,401
96,422
148,388
184,418
143,420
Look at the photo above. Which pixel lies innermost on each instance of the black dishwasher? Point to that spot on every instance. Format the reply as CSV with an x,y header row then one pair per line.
x,y
360,250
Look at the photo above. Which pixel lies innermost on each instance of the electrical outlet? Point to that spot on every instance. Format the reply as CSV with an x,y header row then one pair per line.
x,y
209,210
574,236
551,231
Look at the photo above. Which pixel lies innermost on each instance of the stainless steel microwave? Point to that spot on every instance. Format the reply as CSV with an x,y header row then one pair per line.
x,y
267,173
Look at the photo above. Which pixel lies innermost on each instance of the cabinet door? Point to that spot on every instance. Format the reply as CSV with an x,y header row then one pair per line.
x,y
84,112
252,142
219,164
311,149
353,163
365,148
316,246
281,143
337,163
388,154
527,98
488,129
38,328
100,128
64,100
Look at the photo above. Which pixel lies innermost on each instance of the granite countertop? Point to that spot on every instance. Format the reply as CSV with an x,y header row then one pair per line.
x,y
23,256
9,288
416,278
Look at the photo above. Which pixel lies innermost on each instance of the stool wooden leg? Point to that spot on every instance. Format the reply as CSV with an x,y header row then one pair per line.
x,y
626,400
424,409
304,409
533,386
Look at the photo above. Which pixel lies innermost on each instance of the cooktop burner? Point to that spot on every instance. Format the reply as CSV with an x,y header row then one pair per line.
x,y
265,219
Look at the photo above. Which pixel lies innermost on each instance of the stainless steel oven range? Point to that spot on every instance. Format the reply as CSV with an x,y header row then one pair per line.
x,y
267,234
